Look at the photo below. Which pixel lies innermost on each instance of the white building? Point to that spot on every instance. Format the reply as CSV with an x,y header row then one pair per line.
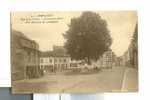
x,y
52,61
59,60
107,60
46,61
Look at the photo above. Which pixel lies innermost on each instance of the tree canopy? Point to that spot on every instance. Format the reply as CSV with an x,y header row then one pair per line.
x,y
87,37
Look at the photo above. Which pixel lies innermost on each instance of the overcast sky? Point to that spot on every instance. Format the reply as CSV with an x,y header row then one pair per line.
x,y
120,23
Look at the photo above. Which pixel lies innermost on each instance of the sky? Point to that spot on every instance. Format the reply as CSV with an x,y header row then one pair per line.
x,y
46,28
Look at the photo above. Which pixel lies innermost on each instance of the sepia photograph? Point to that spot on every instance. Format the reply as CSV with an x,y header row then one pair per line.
x,y
74,52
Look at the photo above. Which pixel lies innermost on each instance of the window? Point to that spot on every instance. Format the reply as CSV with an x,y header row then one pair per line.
x,y
65,60
50,60
55,60
41,60
41,67
60,60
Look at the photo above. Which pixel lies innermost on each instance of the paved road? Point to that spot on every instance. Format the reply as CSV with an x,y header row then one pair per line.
x,y
107,80
130,82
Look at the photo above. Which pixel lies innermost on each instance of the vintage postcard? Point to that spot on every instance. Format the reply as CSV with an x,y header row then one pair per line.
x,y
74,52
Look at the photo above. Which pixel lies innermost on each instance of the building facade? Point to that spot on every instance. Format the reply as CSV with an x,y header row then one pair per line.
x,y
56,60
107,60
24,56
130,57
46,61
59,60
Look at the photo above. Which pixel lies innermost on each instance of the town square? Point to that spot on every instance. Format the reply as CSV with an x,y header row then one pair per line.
x,y
74,52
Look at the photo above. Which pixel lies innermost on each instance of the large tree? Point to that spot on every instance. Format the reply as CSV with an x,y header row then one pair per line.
x,y
87,37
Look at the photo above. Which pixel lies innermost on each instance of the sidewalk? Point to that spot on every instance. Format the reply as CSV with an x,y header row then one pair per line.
x,y
130,81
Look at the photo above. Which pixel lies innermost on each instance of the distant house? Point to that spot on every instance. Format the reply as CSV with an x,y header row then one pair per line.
x,y
130,57
56,60
59,60
107,60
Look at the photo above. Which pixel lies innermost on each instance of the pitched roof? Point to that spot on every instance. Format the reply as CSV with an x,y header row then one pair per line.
x,y
18,33
55,53
46,54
